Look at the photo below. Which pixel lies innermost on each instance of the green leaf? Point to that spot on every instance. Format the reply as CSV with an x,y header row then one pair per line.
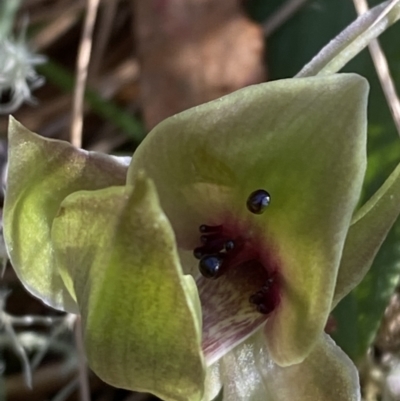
x,y
369,228
41,173
359,314
142,327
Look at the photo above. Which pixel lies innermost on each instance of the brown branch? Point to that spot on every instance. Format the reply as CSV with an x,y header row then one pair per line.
x,y
82,72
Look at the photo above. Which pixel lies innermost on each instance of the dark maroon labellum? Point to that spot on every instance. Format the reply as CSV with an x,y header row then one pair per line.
x,y
221,251
258,201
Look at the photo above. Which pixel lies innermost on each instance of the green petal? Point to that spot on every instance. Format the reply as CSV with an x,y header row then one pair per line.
x,y
41,173
213,384
249,374
140,314
303,140
369,228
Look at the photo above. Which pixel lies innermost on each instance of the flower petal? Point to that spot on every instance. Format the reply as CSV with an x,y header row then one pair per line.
x,y
303,140
368,230
41,173
249,374
117,255
213,384
228,318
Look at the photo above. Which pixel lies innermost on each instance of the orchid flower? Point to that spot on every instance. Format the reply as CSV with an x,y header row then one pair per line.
x,y
215,259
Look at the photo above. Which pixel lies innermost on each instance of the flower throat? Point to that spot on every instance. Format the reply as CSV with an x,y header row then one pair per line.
x,y
221,251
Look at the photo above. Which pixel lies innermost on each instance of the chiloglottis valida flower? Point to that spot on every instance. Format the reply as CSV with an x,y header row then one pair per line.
x,y
216,258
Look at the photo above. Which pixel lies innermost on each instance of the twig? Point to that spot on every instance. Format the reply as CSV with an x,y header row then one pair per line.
x,y
55,29
8,10
82,70
55,332
382,69
67,391
8,321
279,17
82,367
29,320
340,50
19,351
46,380
107,17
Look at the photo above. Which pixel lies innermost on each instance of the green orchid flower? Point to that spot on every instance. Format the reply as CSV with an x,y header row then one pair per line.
x,y
215,259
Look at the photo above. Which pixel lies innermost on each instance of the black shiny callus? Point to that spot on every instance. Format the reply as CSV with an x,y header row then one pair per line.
x,y
258,201
263,302
214,243
229,245
262,299
210,265
209,248
209,229
265,308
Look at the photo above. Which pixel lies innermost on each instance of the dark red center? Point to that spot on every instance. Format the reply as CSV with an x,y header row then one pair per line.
x,y
221,251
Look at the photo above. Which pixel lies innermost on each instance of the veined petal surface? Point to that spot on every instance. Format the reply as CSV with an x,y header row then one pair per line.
x,y
41,173
302,140
249,374
141,316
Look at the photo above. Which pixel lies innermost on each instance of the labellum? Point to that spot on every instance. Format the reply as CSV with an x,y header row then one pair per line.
x,y
223,250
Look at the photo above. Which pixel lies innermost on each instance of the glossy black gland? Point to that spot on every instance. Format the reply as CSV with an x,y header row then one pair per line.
x,y
267,286
210,265
204,239
219,251
263,299
265,308
209,229
210,247
199,252
263,303
257,298
258,201
229,245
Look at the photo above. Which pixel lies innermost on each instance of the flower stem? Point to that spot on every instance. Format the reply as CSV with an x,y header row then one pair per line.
x,y
338,52
8,9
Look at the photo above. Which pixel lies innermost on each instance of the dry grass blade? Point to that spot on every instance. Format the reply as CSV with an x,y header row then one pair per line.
x,y
358,35
382,69
54,30
284,13
107,17
84,388
82,72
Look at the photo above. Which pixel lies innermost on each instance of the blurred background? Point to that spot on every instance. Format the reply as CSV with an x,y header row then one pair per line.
x,y
149,60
